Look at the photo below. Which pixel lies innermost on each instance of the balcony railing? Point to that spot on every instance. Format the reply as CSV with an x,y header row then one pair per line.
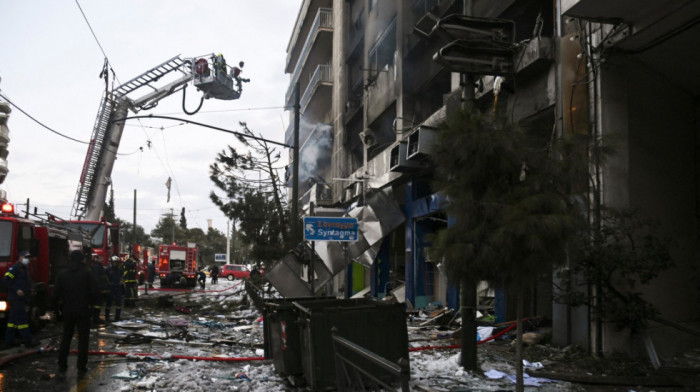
x,y
322,74
323,20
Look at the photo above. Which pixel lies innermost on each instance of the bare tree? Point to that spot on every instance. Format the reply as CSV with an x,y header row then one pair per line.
x,y
253,195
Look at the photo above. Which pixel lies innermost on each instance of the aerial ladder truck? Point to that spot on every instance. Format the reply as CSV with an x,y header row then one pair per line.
x,y
209,74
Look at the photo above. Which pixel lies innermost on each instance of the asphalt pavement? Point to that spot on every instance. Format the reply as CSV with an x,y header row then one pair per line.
x,y
155,346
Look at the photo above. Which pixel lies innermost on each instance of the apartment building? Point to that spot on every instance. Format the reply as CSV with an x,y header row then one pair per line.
x,y
373,90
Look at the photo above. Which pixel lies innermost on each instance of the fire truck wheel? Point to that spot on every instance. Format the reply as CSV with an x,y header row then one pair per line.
x,y
230,277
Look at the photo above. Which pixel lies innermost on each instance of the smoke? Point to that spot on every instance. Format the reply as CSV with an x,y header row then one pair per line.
x,y
316,142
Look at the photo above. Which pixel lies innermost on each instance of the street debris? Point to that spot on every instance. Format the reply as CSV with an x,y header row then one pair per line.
x,y
219,346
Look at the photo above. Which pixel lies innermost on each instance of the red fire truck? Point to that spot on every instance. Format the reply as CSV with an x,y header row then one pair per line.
x,y
142,254
177,265
104,237
48,243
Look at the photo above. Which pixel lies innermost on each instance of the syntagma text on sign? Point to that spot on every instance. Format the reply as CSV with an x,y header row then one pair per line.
x,y
319,228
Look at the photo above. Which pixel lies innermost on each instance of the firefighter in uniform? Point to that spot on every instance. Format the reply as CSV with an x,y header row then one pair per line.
x,y
151,273
100,275
18,285
115,274
130,283
75,290
219,65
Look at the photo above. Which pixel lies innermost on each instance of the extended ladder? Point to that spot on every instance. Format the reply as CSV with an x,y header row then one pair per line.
x,y
102,124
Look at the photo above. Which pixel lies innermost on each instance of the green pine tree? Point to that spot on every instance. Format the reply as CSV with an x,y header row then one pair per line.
x,y
513,215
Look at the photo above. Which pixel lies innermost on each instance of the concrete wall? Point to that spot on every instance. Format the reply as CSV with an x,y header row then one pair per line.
x,y
655,169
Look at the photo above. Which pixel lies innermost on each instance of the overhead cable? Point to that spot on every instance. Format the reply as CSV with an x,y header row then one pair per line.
x,y
40,123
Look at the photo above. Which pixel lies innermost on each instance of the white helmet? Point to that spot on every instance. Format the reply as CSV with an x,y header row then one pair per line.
x,y
115,258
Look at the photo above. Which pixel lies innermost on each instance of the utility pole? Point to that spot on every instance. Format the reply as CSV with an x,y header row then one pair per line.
x,y
312,273
172,218
468,286
228,242
133,229
294,219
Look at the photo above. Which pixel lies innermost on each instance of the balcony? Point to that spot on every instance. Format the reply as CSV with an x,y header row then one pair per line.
x,y
302,26
318,46
319,85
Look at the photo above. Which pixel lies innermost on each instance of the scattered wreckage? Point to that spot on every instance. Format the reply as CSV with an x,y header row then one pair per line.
x,y
189,340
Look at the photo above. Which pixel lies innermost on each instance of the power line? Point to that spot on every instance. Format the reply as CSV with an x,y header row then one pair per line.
x,y
151,127
40,123
233,110
55,131
91,30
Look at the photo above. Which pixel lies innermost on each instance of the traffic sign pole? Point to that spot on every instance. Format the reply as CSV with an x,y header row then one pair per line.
x,y
313,252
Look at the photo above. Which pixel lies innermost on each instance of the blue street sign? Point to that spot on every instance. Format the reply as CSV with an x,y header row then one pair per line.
x,y
320,228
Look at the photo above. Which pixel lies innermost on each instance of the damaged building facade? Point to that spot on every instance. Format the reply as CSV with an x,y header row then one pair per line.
x,y
371,97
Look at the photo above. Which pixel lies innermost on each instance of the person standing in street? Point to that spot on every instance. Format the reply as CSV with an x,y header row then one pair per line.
x,y
19,286
201,278
214,274
130,283
115,275
75,289
100,275
151,273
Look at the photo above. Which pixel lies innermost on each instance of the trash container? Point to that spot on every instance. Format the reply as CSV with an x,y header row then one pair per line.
x,y
377,326
281,333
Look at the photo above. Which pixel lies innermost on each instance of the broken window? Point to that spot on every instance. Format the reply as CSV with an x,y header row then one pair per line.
x,y
381,57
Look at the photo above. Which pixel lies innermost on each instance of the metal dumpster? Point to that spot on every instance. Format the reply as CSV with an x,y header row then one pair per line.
x,y
281,333
377,326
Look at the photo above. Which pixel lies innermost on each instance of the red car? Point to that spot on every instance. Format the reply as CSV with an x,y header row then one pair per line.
x,y
234,271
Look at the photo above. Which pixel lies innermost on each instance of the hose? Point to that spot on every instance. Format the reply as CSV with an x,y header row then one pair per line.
x,y
158,356
201,101
45,349
459,345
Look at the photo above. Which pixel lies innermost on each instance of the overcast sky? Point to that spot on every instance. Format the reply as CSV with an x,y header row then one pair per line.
x,y
50,64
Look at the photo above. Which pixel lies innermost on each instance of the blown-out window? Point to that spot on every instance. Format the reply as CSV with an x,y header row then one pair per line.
x,y
381,57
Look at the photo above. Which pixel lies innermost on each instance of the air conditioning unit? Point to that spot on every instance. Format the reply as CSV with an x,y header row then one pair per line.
x,y
352,191
398,161
420,143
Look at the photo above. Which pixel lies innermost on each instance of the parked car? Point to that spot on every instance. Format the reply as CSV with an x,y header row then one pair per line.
x,y
234,271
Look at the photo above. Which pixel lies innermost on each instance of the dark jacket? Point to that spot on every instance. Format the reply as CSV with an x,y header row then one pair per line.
x,y
129,271
115,275
76,288
17,278
100,274
151,271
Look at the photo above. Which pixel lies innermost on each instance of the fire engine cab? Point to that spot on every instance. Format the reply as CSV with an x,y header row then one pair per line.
x,y
49,245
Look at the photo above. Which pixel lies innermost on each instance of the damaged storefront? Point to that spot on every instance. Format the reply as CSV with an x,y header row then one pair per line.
x,y
389,260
